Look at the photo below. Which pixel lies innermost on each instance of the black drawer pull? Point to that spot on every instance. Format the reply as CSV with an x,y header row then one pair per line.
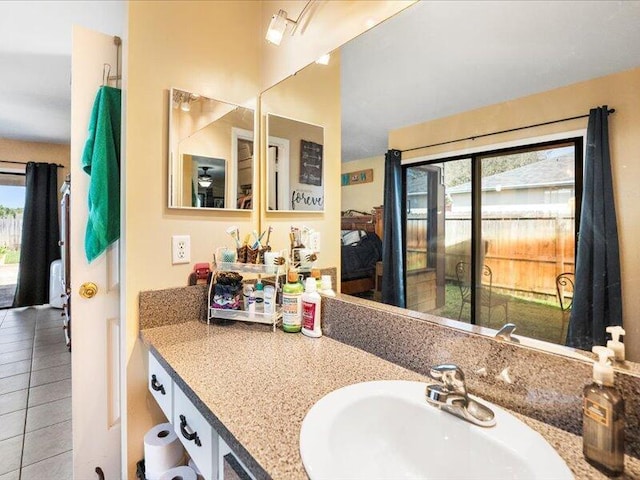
x,y
158,387
189,436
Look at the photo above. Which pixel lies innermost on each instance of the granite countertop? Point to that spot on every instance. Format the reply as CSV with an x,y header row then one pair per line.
x,y
255,387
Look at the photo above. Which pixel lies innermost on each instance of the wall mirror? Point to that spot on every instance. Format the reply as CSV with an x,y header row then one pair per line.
x,y
380,92
295,157
211,153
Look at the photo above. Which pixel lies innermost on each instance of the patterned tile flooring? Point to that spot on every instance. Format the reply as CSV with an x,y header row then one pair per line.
x,y
35,396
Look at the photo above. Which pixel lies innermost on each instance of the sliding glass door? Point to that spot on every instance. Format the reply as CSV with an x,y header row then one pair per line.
x,y
489,236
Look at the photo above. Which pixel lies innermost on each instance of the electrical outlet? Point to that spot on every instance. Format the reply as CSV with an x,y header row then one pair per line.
x,y
180,249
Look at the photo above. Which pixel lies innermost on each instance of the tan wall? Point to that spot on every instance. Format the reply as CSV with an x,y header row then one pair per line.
x,y
217,55
619,91
313,96
19,151
364,196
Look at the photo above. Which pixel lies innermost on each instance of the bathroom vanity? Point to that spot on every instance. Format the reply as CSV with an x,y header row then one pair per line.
x,y
250,389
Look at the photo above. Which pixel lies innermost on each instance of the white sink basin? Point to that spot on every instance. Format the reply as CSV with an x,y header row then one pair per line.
x,y
386,430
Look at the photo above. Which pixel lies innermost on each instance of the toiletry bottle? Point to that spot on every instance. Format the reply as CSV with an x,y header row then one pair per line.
x,y
326,288
259,293
251,301
311,304
615,344
603,418
247,288
292,303
269,299
315,273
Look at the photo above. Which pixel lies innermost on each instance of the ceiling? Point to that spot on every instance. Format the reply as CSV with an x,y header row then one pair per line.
x,y
436,59
35,55
432,60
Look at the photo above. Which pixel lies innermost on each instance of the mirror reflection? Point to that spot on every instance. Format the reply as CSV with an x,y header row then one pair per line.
x,y
211,153
295,156
441,71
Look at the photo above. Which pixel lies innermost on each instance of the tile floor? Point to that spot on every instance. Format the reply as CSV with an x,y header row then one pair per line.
x,y
35,396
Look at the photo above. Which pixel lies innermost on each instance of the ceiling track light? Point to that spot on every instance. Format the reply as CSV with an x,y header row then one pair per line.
x,y
279,22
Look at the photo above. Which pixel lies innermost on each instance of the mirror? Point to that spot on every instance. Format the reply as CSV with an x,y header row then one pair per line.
x,y
295,155
459,66
211,153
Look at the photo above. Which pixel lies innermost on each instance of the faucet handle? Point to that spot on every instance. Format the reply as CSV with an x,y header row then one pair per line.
x,y
451,377
505,333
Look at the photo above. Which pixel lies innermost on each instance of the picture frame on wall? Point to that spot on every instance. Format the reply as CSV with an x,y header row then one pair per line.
x,y
310,163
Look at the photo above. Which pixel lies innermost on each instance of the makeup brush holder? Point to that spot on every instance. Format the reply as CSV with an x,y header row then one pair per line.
x,y
242,253
252,255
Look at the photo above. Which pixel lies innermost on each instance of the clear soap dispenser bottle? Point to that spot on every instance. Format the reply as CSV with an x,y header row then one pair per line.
x,y
603,418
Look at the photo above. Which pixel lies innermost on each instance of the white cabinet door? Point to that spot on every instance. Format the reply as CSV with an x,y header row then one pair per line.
x,y
196,434
229,466
161,386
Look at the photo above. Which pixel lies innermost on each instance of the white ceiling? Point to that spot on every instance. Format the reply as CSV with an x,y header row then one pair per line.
x,y
35,63
436,59
432,60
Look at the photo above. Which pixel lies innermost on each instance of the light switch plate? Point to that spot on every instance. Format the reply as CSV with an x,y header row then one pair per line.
x,y
180,249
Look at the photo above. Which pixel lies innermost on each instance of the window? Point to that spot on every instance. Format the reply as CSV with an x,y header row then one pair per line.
x,y
487,234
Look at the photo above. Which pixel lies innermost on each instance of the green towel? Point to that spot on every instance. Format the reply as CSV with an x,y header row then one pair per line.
x,y
101,161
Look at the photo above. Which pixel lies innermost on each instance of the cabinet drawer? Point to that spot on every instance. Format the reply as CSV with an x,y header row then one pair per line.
x,y
195,433
161,386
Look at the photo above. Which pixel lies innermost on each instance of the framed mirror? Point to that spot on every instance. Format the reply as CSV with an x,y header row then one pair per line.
x,y
211,153
295,157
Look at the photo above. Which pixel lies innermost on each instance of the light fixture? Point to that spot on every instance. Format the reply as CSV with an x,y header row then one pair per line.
x,y
277,26
183,100
279,22
324,59
205,179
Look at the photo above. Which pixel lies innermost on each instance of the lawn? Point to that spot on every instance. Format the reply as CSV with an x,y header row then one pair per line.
x,y
536,319
13,256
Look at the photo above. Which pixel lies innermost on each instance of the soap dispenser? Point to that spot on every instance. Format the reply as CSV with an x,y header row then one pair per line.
x,y
615,344
603,418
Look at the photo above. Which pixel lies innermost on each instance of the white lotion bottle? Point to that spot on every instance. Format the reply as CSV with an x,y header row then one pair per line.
x,y
311,303
325,288
615,344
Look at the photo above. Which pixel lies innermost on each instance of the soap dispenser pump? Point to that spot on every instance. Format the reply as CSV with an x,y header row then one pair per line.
x,y
615,344
603,418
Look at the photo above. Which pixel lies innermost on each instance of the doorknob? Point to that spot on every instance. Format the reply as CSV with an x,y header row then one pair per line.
x,y
88,290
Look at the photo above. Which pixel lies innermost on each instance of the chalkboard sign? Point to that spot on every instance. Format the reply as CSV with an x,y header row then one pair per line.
x,y
310,163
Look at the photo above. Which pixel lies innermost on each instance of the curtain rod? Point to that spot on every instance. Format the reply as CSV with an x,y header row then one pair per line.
x,y
611,110
24,163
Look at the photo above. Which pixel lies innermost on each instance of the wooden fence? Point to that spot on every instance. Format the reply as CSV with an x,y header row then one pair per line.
x,y
11,231
525,252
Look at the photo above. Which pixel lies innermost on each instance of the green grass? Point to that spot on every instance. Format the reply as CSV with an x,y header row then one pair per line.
x,y
13,256
536,319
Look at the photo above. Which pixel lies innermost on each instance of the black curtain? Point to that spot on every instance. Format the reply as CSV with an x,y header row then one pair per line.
x,y
393,288
597,301
40,235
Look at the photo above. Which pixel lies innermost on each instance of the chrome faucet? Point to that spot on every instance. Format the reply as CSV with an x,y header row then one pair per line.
x,y
505,333
450,395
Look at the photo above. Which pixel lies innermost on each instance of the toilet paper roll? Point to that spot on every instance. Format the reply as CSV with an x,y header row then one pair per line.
x,y
162,450
193,465
179,473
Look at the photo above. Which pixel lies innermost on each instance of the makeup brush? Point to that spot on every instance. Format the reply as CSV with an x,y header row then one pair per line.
x,y
269,230
235,234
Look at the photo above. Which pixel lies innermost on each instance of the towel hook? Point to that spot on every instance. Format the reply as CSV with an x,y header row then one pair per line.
x,y
106,71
